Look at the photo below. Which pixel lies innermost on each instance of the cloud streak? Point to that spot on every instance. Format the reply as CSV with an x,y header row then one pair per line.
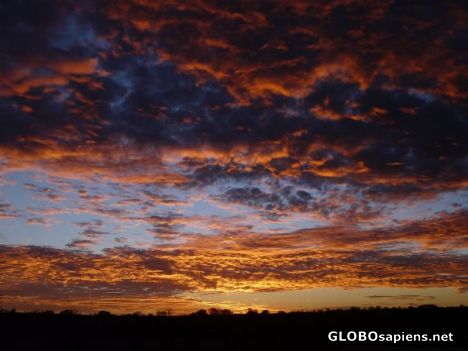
x,y
408,256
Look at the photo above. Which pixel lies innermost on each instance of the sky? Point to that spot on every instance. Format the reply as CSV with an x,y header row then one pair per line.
x,y
281,155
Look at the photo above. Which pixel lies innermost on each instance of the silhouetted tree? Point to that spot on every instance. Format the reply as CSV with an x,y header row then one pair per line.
x,y
251,311
104,314
68,312
163,313
200,313
47,312
214,311
291,331
427,306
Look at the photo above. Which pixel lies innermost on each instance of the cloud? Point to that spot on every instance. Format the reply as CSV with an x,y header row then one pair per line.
x,y
7,211
403,297
44,192
81,243
89,236
130,113
255,147
41,221
285,49
405,256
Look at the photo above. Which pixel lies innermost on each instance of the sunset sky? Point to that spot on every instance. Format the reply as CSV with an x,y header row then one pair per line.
x,y
278,155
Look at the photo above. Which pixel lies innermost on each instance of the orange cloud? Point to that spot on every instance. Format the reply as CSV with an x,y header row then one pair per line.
x,y
245,262
20,81
257,58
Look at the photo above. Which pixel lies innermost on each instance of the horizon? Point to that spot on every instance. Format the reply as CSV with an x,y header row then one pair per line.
x,y
213,311
274,155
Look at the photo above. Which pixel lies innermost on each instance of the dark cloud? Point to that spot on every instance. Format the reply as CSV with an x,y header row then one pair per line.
x,y
7,211
95,222
349,93
89,236
253,197
45,192
338,112
81,243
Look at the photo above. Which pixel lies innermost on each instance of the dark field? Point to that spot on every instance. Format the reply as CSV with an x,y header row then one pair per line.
x,y
286,331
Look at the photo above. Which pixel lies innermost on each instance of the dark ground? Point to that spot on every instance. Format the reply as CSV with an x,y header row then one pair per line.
x,y
285,331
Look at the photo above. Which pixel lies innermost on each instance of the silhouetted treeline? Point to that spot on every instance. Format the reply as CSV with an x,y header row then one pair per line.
x,y
220,329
